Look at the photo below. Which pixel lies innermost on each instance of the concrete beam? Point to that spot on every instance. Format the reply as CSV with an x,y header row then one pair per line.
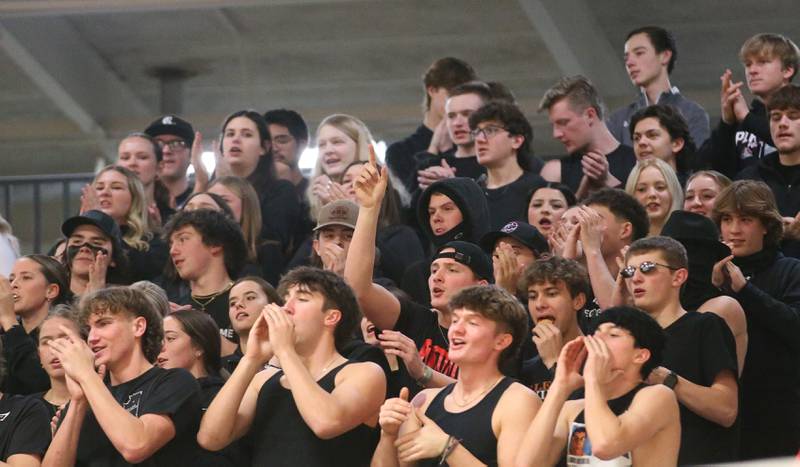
x,y
27,8
69,72
578,43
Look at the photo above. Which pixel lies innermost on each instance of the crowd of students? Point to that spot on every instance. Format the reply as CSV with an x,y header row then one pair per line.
x,y
465,304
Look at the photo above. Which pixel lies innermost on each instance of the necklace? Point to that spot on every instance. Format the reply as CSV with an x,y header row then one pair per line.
x,y
482,393
442,333
327,366
203,300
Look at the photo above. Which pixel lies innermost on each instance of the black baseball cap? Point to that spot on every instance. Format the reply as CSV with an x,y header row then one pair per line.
x,y
99,219
523,232
172,125
469,255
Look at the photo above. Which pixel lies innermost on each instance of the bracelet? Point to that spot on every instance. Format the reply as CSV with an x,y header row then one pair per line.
x,y
427,374
449,447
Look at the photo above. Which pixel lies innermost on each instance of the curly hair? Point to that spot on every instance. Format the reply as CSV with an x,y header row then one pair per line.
x,y
131,302
557,269
513,120
215,229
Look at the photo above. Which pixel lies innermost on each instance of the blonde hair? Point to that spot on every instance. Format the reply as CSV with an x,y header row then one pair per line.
x,y
673,185
251,211
138,231
357,131
769,46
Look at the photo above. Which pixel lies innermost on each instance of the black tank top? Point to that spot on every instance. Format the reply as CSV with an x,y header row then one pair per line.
x,y
280,436
473,426
579,446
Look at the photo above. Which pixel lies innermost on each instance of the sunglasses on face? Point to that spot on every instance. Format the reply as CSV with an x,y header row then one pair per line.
x,y
647,267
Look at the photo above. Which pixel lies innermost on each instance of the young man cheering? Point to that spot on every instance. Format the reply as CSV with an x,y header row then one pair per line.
x,y
311,406
481,418
129,411
621,420
700,354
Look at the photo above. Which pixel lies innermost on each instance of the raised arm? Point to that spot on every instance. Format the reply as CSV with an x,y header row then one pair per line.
x,y
359,392
653,408
239,394
547,435
377,303
63,449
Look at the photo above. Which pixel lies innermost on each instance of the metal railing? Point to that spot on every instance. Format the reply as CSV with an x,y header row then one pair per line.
x,y
10,184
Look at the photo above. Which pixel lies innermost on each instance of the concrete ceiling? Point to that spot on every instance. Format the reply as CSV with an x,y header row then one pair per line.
x,y
77,75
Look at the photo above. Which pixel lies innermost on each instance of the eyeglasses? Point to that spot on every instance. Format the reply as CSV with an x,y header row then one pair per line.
x,y
175,144
487,132
647,267
282,139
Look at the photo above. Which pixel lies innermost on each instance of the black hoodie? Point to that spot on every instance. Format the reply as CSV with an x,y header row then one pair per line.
x,y
770,407
469,197
784,182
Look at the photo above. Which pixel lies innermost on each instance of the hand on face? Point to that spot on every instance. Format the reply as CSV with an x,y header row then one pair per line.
x,y
281,329
598,362
548,341
75,356
506,267
570,361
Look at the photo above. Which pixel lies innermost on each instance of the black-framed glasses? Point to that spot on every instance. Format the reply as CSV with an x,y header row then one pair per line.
x,y
175,144
647,267
488,131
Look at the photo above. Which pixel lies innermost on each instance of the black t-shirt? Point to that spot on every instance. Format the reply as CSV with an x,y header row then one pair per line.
x,y
510,202
536,376
699,346
24,426
422,326
620,164
217,307
174,393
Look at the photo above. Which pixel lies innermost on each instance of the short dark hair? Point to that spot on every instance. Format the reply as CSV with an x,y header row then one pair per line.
x,y
673,251
204,334
290,119
751,198
513,120
478,88
501,92
787,97
556,269
623,206
580,92
224,207
661,39
215,229
447,72
131,302
54,273
337,294
498,305
569,196
673,121
646,332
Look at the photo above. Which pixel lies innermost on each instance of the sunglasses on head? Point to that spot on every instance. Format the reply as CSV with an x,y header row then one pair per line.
x,y
647,267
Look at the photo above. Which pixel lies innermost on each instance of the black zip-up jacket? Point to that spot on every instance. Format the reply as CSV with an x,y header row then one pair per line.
x,y
785,189
771,375
731,148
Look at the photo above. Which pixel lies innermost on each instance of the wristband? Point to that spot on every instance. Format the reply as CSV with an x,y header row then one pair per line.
x,y
449,447
427,374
